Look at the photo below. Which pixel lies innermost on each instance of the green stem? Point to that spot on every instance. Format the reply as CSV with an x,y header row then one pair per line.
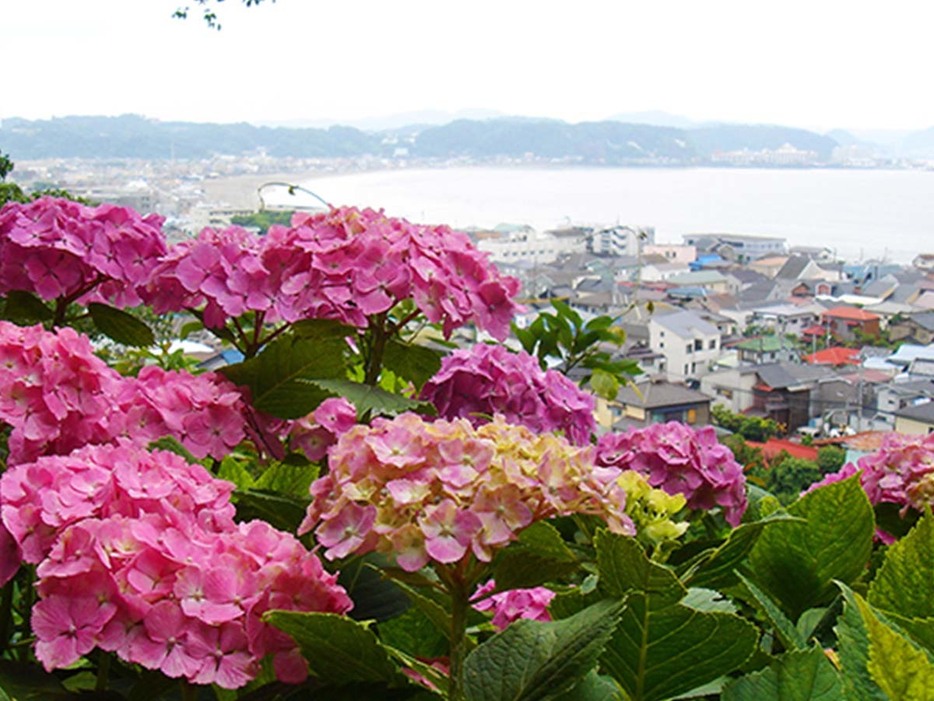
x,y
6,614
103,672
374,362
460,605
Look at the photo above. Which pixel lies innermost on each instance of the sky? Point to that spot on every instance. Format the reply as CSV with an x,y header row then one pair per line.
x,y
817,64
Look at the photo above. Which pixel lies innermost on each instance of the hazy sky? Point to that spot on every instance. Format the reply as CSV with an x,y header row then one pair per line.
x,y
815,63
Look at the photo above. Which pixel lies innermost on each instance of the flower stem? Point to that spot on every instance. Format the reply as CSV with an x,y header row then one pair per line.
x,y
459,607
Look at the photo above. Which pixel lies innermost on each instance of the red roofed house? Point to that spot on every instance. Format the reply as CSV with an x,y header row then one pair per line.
x,y
843,323
835,356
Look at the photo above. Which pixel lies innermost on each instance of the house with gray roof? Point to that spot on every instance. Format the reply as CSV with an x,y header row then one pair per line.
x,y
916,420
657,401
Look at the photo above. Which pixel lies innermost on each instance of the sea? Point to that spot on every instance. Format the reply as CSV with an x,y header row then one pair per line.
x,y
857,214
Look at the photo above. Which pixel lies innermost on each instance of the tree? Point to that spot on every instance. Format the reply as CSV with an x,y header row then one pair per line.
x,y
208,13
830,458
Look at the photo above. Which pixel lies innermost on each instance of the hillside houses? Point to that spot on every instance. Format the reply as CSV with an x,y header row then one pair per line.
x,y
798,338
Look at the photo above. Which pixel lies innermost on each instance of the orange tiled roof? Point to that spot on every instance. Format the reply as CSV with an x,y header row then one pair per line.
x,y
833,356
851,314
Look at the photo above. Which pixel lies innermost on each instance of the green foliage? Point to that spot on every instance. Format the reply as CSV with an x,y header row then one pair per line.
x,y
803,675
120,326
535,661
540,555
339,650
745,454
788,476
564,340
830,458
208,11
662,646
262,220
276,376
751,428
796,563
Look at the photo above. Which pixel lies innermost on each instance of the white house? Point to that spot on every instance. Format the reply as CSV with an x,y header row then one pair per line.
x,y
689,343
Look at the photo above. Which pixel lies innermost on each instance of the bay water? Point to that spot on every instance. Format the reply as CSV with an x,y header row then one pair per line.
x,y
858,214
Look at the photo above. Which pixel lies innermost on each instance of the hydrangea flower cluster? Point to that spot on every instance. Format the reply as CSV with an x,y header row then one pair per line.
x,y
652,510
57,248
138,554
58,396
205,413
681,460
345,264
54,392
484,380
901,472
513,604
439,491
315,433
221,270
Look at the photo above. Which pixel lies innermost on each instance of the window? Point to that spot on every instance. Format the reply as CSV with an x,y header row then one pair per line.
x,y
685,369
713,343
691,416
698,344
689,348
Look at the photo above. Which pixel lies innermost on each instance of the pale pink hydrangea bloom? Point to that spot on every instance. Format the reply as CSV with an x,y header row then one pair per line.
x,y
513,604
901,472
56,249
681,460
484,380
137,553
440,491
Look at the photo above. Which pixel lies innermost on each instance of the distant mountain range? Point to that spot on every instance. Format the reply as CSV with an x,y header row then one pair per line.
x,y
609,142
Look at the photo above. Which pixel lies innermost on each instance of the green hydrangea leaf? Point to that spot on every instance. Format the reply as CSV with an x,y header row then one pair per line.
x,y
796,563
903,583
663,647
536,661
802,675
338,650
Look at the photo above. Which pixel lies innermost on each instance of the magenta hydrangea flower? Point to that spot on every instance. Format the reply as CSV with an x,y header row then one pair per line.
x,y
681,460
58,396
513,604
57,249
484,380
54,392
442,491
137,553
346,264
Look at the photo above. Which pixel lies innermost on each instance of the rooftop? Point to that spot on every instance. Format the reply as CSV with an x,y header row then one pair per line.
x,y
834,356
851,314
650,395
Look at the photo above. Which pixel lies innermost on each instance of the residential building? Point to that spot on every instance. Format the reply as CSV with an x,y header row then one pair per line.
x,y
783,393
894,397
711,280
671,252
916,420
917,328
834,356
740,247
689,343
510,244
786,318
731,387
844,322
772,348
620,240
656,401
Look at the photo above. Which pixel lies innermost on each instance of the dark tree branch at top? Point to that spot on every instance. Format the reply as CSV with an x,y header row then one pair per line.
x,y
208,13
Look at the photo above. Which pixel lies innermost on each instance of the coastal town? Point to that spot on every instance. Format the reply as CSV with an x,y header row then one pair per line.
x,y
832,352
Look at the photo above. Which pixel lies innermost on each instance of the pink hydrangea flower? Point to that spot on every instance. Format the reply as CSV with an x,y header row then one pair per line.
x,y
441,491
138,553
346,264
56,249
509,606
681,460
901,472
484,380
